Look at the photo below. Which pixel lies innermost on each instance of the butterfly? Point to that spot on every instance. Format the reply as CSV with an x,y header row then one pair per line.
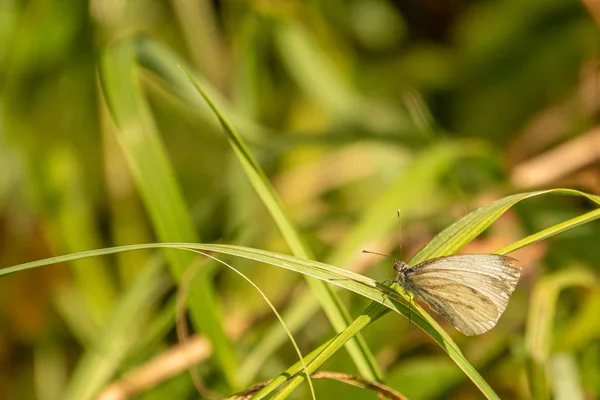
x,y
470,290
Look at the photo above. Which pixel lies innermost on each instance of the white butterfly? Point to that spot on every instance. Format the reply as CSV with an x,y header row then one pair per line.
x,y
469,290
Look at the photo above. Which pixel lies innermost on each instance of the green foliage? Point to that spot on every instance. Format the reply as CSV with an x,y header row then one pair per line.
x,y
256,130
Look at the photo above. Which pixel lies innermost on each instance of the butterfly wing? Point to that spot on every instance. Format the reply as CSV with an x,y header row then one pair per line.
x,y
469,290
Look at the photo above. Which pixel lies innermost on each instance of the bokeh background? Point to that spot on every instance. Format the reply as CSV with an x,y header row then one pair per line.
x,y
354,109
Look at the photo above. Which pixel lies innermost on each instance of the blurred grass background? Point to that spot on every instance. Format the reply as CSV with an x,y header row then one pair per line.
x,y
354,109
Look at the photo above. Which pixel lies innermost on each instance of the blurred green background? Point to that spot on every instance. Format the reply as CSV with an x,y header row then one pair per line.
x,y
354,109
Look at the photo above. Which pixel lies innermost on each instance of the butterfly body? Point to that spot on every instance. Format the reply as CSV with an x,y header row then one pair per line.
x,y
469,290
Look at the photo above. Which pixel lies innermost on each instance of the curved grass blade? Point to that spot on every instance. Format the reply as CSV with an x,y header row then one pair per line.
x,y
357,283
551,231
540,321
457,235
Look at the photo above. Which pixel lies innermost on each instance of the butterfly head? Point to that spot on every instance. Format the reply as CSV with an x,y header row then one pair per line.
x,y
402,269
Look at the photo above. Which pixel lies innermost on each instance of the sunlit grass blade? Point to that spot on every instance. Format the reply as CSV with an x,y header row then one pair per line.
x,y
158,187
339,317
337,276
551,231
457,235
324,272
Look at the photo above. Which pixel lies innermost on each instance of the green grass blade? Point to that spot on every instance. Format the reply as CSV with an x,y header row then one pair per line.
x,y
551,231
339,317
540,321
457,235
156,182
257,178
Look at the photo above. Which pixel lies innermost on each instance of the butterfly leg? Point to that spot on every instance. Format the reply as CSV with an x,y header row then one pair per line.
x,y
410,296
391,287
410,300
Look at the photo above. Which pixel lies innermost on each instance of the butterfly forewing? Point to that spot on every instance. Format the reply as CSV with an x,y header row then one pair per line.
x,y
469,290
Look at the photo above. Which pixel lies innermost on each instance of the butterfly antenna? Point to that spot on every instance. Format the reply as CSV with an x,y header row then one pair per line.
x,y
373,252
399,236
396,280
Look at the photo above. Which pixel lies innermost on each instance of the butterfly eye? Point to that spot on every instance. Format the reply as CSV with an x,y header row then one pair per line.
x,y
399,266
